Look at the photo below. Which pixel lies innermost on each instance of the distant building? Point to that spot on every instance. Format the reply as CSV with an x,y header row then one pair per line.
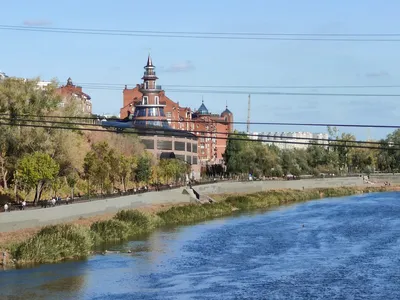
x,y
149,121
3,75
43,84
291,140
71,91
211,129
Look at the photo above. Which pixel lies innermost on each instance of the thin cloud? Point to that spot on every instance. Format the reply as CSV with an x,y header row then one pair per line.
x,y
186,66
37,22
378,74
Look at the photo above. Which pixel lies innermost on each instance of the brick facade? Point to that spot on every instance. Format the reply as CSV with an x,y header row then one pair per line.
x,y
71,91
211,129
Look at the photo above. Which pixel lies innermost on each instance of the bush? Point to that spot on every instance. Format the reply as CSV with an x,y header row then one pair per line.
x,y
110,231
55,243
137,221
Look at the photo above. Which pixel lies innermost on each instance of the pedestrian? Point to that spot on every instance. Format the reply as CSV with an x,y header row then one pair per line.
x,y
6,207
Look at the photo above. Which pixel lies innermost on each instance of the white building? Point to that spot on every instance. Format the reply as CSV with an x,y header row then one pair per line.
x,y
3,75
291,140
43,84
253,136
40,84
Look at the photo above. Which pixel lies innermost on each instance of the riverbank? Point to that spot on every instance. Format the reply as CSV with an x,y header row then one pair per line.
x,y
40,217
66,241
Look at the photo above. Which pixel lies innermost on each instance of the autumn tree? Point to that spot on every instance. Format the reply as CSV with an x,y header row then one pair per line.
x,y
126,165
143,170
37,169
72,179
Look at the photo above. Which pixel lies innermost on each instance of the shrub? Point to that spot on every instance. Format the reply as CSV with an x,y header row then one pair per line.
x,y
55,243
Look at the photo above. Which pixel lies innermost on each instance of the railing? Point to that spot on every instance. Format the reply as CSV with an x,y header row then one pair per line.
x,y
156,188
158,87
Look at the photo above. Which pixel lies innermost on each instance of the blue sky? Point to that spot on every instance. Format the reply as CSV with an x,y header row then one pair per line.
x,y
119,59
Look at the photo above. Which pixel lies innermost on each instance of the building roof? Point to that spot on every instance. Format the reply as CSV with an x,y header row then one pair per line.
x,y
149,62
147,130
202,109
226,111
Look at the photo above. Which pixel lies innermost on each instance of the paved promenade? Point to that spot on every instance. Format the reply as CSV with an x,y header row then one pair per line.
x,y
16,220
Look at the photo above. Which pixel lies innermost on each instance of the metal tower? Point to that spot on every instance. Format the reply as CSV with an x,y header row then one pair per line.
x,y
248,115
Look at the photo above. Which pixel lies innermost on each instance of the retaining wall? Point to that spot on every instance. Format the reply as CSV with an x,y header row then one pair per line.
x,y
393,179
257,186
39,217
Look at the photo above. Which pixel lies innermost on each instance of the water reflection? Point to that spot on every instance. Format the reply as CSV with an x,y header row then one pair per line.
x,y
347,248
64,279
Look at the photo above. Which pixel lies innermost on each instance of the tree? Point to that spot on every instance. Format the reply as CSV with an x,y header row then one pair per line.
x,y
17,98
124,169
72,180
344,151
143,170
233,156
35,170
98,164
89,168
56,184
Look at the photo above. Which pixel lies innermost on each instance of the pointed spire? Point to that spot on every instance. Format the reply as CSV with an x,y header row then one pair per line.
x,y
149,61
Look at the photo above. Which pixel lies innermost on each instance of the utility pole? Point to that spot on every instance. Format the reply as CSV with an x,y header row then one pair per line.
x,y
248,115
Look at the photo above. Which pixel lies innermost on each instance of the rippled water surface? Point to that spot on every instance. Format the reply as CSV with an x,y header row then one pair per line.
x,y
348,248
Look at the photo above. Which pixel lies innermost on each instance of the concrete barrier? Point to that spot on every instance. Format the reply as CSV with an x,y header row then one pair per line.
x,y
16,220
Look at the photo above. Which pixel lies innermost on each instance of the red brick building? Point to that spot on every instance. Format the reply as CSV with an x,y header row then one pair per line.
x,y
71,91
211,129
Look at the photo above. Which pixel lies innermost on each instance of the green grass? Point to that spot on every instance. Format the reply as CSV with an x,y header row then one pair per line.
x,y
60,242
55,243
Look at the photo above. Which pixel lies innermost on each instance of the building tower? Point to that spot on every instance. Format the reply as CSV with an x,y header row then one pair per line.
x,y
228,117
150,112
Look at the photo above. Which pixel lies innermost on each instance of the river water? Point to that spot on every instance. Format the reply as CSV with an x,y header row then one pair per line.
x,y
348,248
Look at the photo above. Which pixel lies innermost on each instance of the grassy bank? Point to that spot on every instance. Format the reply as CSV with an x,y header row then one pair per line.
x,y
66,241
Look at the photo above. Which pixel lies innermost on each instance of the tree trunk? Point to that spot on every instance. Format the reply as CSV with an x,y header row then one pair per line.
x,y
15,186
124,184
88,188
4,172
38,192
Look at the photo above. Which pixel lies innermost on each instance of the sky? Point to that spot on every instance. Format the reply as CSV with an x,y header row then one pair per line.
x,y
117,60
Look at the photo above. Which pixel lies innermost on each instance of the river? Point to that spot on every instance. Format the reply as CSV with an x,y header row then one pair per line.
x,y
343,248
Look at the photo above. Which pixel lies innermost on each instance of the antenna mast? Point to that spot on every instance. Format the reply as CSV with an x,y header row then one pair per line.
x,y
248,115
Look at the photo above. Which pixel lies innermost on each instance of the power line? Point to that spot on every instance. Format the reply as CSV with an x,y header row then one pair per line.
x,y
213,33
269,93
121,85
338,37
277,138
165,133
225,122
